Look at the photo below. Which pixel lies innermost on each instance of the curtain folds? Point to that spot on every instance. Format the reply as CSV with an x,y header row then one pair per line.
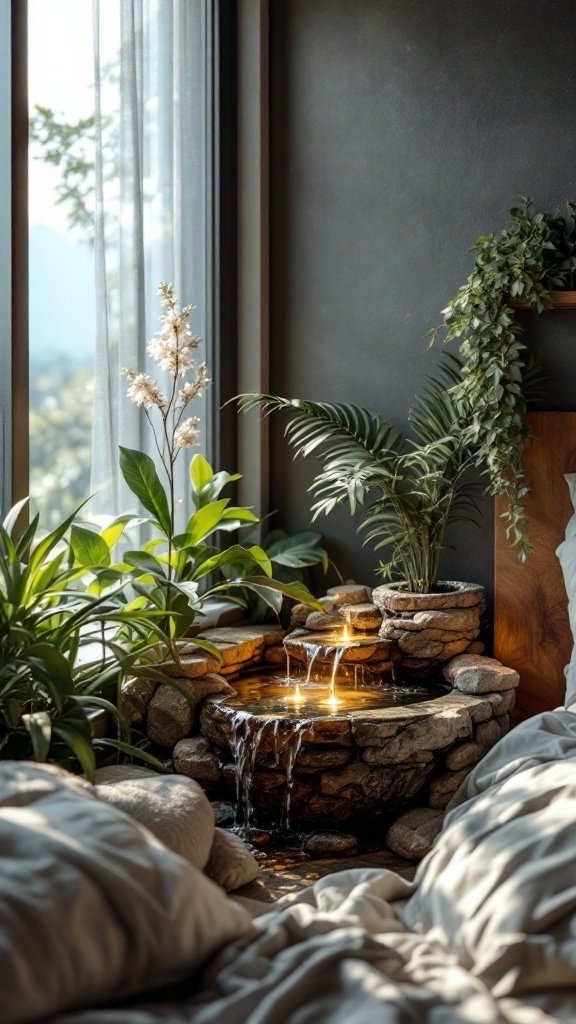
x,y
150,61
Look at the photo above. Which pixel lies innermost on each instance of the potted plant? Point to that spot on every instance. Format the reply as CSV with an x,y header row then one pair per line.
x,y
529,264
181,567
408,489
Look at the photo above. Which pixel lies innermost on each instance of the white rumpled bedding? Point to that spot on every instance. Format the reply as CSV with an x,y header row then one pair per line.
x,y
485,934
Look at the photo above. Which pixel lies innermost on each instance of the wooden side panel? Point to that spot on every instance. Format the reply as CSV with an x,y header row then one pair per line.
x,y
531,628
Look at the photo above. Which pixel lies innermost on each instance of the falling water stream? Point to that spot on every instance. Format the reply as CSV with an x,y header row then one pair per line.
x,y
263,703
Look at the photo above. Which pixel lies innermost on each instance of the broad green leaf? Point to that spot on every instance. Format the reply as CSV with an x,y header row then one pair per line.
x,y
298,550
261,559
73,728
111,534
145,562
272,598
204,521
200,472
90,549
211,490
238,516
38,724
189,589
267,588
140,474
105,579
234,561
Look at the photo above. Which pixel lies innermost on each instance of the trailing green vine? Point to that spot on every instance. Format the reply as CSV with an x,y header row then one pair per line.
x,y
531,257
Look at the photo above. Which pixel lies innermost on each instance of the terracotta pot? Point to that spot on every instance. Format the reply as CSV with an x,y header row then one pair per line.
x,y
427,630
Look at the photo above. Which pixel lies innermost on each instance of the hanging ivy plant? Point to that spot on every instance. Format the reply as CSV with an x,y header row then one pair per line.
x,y
534,255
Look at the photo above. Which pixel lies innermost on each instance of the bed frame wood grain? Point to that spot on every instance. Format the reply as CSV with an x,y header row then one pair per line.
x,y
531,628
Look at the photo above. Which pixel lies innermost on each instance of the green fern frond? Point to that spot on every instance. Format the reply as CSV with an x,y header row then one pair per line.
x,y
407,490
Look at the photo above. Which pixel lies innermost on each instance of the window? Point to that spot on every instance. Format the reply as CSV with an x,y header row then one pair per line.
x,y
124,193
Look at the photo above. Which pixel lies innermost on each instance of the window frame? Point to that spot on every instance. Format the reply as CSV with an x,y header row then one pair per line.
x,y
14,250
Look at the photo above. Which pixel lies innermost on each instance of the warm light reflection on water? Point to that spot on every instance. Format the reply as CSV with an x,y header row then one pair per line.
x,y
276,696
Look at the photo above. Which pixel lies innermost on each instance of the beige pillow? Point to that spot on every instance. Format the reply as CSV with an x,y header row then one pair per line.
x,y
174,808
231,864
92,907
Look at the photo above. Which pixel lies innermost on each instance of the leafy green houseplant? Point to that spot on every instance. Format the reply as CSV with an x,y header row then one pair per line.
x,y
525,263
408,489
180,567
291,557
62,651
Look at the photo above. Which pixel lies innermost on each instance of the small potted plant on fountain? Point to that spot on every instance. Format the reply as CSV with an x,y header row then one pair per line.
x,y
408,490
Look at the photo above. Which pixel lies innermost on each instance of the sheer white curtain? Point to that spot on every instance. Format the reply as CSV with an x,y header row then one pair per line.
x,y
151,208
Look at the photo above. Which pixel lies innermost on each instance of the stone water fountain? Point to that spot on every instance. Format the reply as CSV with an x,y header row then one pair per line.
x,y
334,738
312,730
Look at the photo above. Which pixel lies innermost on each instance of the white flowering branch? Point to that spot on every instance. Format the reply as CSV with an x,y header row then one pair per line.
x,y
172,348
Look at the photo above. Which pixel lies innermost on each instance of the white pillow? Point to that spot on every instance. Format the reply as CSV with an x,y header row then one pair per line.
x,y
174,808
566,554
231,865
92,907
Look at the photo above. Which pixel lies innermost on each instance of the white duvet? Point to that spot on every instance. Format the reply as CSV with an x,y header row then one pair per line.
x,y
485,934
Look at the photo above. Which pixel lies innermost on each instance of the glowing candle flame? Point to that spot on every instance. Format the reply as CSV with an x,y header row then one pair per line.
x,y
334,702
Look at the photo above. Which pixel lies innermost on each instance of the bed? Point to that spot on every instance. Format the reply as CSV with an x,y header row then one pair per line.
x,y
102,924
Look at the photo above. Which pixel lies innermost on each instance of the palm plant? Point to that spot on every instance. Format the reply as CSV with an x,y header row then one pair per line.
x,y
408,489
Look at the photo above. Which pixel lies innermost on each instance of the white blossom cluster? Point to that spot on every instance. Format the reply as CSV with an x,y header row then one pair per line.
x,y
172,348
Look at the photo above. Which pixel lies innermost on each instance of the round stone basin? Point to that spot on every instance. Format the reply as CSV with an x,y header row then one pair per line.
x,y
302,763
296,700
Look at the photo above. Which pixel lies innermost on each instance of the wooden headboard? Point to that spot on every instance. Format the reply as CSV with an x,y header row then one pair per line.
x,y
531,628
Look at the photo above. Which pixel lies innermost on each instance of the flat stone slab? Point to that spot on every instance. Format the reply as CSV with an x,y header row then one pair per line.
x,y
443,787
361,616
453,619
190,666
349,593
323,622
237,646
303,646
473,673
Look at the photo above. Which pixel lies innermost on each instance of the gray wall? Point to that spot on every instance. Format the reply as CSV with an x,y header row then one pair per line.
x,y
400,131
